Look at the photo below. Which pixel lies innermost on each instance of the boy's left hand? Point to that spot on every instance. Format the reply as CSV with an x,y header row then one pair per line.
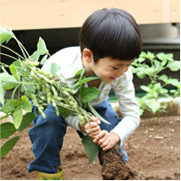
x,y
106,140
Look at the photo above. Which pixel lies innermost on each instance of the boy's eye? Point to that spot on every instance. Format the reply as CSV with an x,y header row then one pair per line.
x,y
115,68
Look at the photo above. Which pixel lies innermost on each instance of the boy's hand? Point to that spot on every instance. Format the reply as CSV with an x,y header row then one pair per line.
x,y
106,140
91,128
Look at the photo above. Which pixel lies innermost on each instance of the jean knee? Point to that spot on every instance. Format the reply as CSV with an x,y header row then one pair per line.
x,y
106,110
52,126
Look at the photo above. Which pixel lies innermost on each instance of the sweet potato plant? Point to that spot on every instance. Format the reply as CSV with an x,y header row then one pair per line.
x,y
24,78
152,66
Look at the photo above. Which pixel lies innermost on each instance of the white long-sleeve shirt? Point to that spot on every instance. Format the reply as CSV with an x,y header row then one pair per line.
x,y
69,61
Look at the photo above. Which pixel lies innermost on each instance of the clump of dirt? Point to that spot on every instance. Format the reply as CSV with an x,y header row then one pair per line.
x,y
114,167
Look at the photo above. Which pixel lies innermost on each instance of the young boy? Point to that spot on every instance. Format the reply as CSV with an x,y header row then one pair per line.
x,y
109,42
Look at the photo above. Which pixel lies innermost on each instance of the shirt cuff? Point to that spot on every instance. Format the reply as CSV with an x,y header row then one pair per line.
x,y
73,121
125,128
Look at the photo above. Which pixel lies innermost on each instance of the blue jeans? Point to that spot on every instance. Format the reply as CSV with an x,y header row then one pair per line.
x,y
47,137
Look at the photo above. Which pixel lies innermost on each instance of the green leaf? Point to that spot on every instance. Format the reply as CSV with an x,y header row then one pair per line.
x,y
141,111
54,68
96,114
83,81
150,55
35,56
145,88
153,105
162,56
43,60
157,65
26,103
174,82
169,56
88,79
174,65
150,71
1,93
133,69
163,91
8,81
27,120
141,75
16,103
8,107
13,69
8,146
17,64
143,54
82,75
79,72
41,47
14,72
88,94
140,59
7,129
17,117
163,78
5,35
90,147
157,86
64,112
27,88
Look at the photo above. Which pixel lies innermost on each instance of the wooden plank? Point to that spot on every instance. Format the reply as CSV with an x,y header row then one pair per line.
x,y
40,14
175,11
166,11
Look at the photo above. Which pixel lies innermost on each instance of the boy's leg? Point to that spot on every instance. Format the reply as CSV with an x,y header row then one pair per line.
x,y
47,139
106,110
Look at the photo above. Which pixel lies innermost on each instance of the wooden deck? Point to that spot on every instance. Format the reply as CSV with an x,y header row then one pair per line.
x,y
46,14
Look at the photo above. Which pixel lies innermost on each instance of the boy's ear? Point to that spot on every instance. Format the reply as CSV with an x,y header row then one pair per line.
x,y
87,54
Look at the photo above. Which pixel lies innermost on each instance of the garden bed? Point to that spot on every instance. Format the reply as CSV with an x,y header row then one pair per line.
x,y
153,150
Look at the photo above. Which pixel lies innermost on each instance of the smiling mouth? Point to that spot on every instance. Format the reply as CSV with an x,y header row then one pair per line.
x,y
112,78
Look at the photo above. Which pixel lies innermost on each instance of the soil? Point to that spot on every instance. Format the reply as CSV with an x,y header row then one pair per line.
x,y
114,167
153,151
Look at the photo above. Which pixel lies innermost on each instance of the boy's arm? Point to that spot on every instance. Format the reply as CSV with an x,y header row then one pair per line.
x,y
129,108
73,121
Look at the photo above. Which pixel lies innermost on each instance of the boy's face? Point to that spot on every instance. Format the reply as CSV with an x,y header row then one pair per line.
x,y
108,69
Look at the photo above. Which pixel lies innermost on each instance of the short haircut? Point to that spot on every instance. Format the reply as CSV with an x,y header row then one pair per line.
x,y
111,33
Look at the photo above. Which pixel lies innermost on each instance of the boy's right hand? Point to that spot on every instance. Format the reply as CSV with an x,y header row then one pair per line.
x,y
91,128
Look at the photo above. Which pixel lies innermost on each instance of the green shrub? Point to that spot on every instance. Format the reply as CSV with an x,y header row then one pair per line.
x,y
152,66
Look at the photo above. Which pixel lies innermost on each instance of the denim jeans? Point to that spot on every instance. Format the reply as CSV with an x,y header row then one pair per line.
x,y
47,137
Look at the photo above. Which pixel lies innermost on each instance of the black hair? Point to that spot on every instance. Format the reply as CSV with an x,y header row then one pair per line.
x,y
111,33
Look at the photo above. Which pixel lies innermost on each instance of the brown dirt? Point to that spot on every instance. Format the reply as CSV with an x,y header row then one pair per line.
x,y
153,150
114,167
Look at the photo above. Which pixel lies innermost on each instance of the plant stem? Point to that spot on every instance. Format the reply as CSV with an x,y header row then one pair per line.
x,y
12,51
19,91
8,56
4,26
23,49
13,92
